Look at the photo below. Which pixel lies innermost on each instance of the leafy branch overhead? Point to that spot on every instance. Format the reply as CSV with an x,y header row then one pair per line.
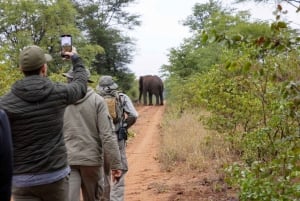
x,y
294,3
103,22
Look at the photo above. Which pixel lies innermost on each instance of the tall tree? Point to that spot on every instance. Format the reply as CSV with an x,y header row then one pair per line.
x,y
201,12
35,22
104,23
200,52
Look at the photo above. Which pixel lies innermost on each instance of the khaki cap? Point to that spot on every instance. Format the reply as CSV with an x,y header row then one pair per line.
x,y
32,58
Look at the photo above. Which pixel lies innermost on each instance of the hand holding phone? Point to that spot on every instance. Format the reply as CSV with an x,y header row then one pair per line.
x,y
66,44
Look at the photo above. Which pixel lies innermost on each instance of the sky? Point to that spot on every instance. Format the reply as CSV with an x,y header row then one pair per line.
x,y
161,29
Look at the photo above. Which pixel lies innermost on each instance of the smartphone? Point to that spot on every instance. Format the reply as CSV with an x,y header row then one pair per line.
x,y
66,44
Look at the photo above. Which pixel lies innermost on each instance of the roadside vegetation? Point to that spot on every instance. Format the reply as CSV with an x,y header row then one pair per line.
x,y
186,141
245,75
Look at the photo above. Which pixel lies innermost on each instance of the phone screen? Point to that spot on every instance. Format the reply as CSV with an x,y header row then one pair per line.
x,y
66,43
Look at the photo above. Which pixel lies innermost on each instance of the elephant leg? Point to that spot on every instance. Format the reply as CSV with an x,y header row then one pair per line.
x,y
161,98
140,97
145,97
157,99
150,99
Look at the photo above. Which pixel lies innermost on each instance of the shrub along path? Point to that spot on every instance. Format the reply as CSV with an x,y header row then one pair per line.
x,y
145,180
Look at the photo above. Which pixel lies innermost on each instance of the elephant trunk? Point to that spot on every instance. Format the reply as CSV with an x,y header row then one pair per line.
x,y
140,88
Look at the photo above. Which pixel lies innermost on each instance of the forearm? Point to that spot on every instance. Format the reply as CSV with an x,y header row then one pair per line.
x,y
129,121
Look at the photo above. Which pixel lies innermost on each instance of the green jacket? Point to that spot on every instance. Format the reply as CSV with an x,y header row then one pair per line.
x,y
35,107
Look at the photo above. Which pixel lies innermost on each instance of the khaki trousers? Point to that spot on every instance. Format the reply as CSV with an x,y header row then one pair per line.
x,y
114,192
87,179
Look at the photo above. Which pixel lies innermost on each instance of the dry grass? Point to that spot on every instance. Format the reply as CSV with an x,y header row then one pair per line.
x,y
186,141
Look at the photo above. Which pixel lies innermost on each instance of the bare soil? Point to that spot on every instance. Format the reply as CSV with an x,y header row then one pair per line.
x,y
146,181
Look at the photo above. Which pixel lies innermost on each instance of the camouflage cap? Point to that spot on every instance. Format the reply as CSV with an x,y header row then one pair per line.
x,y
106,81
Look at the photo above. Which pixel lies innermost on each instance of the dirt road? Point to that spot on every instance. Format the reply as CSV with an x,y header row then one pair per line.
x,y
142,152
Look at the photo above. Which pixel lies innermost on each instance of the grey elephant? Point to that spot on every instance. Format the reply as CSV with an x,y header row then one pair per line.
x,y
151,85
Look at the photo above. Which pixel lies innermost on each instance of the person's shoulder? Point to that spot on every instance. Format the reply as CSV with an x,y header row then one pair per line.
x,y
123,97
98,97
123,94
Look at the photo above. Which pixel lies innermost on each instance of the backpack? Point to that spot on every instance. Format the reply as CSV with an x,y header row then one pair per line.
x,y
114,104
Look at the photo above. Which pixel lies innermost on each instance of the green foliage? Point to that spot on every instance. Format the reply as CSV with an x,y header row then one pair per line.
x,y
35,22
92,26
98,19
132,90
248,103
185,60
202,12
89,53
128,84
8,77
277,179
249,90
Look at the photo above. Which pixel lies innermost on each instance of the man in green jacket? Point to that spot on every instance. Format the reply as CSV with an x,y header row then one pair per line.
x,y
35,107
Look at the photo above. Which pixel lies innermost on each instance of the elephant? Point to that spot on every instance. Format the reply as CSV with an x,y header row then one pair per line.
x,y
151,85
